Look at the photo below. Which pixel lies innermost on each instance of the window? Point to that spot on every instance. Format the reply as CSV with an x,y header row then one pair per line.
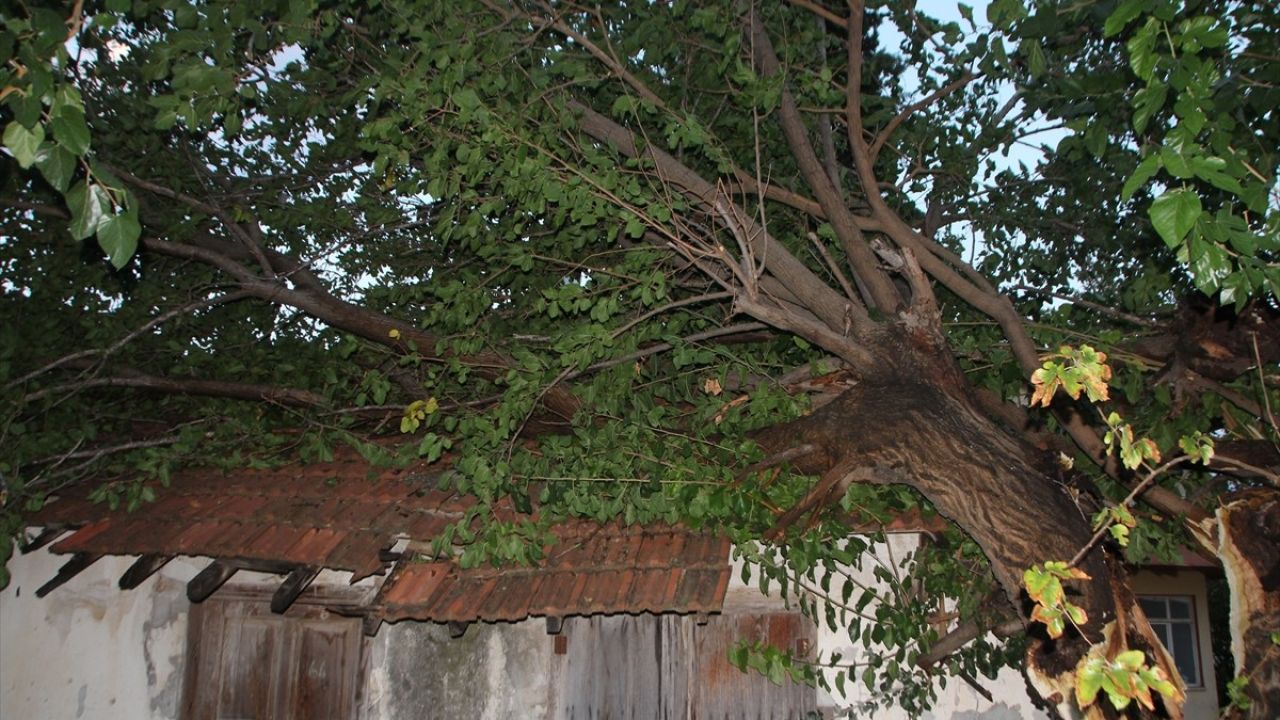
x,y
1173,617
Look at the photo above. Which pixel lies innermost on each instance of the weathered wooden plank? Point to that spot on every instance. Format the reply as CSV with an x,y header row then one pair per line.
x,y
719,691
74,566
45,537
253,667
292,587
246,662
617,667
209,580
143,568
324,683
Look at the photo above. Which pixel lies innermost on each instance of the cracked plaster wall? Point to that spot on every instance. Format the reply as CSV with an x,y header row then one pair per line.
x,y
89,650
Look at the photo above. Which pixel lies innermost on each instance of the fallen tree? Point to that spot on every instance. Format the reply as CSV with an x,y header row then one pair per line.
x,y
726,262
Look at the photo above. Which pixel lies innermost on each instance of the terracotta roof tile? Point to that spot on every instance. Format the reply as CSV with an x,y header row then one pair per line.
x,y
82,539
274,542
344,513
314,546
353,554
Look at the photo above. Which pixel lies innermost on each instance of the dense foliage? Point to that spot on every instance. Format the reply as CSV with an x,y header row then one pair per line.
x,y
597,259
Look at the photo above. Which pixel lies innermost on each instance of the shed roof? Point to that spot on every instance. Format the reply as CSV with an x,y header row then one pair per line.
x,y
348,515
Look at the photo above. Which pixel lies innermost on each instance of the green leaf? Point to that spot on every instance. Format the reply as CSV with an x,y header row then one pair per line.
x,y
1141,174
1178,164
71,131
623,105
1142,56
118,236
1036,62
1123,15
23,143
1131,659
466,99
1146,103
57,165
1089,682
1174,213
1210,267
89,205
1213,169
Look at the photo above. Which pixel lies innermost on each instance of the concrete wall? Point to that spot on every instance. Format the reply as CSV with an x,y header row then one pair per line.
x,y
492,672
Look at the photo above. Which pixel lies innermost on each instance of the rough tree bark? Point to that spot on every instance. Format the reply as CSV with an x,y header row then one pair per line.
x,y
1248,532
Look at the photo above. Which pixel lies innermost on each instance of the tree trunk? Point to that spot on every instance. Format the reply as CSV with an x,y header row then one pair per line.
x,y
1249,546
972,471
995,487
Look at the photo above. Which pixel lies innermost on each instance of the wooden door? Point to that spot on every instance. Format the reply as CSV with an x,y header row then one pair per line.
x,y
720,691
246,663
672,667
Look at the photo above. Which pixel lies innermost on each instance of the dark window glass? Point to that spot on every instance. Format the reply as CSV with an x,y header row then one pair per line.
x,y
1173,620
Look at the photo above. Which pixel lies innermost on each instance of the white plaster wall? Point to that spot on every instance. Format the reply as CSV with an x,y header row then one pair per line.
x,y
89,650
958,700
1202,702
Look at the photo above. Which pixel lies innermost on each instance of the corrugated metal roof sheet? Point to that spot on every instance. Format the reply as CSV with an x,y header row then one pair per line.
x,y
345,514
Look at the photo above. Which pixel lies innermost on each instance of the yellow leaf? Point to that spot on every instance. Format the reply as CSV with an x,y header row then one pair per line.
x,y
1052,620
1131,659
1077,614
395,334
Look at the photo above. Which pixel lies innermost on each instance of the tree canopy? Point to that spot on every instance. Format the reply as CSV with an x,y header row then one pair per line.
x,y
788,270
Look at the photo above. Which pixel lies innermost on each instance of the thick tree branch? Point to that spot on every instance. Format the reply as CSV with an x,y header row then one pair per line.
x,y
962,635
252,245
820,11
126,378
370,325
983,299
853,82
880,289
815,295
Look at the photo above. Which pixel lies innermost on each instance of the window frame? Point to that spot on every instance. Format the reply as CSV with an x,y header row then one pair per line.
x,y
1193,621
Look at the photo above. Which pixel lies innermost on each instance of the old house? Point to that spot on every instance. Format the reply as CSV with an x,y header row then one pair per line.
x,y
298,593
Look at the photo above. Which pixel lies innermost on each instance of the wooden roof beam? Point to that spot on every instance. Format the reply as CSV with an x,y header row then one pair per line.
x,y
292,587
143,568
73,567
209,580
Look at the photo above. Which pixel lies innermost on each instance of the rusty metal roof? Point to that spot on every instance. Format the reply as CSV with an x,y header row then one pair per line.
x,y
345,515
